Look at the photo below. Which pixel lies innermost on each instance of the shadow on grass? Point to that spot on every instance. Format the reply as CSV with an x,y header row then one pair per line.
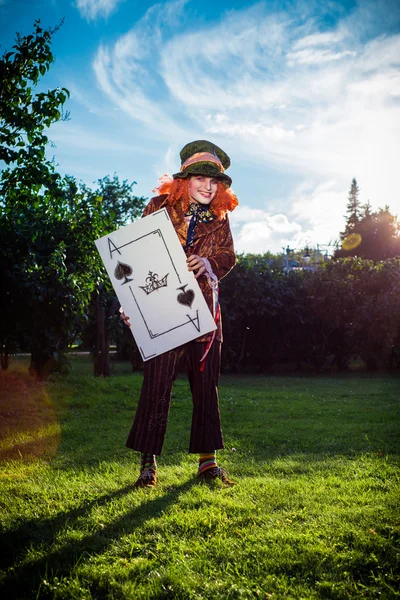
x,y
264,419
21,580
306,428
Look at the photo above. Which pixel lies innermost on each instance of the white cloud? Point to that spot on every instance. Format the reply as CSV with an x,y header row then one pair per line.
x,y
315,56
276,132
127,73
94,9
320,39
321,117
281,224
278,91
320,208
257,230
254,238
314,216
244,213
166,164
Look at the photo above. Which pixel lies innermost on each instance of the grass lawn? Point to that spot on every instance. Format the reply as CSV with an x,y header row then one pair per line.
x,y
315,513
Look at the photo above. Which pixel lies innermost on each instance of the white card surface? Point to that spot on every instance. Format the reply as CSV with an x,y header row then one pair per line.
x,y
147,267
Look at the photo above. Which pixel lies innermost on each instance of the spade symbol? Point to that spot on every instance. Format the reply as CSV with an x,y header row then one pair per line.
x,y
122,271
185,297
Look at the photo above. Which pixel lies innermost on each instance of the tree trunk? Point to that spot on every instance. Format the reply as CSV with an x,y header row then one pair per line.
x,y
4,357
102,348
242,351
42,362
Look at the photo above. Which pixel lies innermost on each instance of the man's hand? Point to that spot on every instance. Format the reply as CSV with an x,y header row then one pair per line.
x,y
124,317
196,263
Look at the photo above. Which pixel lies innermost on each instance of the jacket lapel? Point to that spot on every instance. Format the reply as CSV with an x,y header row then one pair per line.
x,y
207,228
177,217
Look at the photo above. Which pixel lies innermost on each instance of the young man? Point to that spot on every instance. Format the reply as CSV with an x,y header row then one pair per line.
x,y
197,200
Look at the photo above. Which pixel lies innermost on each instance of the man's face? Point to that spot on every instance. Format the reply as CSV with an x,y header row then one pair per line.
x,y
202,190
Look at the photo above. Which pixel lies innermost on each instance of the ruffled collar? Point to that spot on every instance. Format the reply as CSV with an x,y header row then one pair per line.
x,y
202,214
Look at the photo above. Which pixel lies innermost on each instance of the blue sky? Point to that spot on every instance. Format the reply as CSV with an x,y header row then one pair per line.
x,y
302,95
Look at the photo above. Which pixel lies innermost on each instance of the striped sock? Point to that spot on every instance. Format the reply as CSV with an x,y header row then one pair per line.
x,y
148,461
207,460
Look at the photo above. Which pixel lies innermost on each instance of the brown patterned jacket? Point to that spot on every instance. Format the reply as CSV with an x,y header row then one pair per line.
x,y
212,240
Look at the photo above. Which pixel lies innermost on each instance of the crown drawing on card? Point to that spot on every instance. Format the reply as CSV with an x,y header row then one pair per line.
x,y
154,283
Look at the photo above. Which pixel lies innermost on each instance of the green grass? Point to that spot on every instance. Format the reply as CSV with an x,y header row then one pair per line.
x,y
315,513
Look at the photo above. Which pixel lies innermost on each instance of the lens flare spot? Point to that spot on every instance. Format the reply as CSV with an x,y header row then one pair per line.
x,y
29,428
352,241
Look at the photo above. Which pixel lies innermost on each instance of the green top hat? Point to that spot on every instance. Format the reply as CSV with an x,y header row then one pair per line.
x,y
204,158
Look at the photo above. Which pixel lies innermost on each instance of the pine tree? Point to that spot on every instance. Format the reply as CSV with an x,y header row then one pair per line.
x,y
374,235
366,210
353,210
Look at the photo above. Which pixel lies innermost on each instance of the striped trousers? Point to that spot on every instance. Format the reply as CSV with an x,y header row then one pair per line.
x,y
150,424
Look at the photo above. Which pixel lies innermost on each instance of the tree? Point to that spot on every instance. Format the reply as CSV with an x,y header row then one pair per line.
x,y
118,200
24,117
373,235
25,114
349,238
49,269
353,209
49,264
376,236
379,233
119,206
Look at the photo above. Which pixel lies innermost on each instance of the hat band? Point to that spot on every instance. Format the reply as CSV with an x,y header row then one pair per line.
x,y
202,157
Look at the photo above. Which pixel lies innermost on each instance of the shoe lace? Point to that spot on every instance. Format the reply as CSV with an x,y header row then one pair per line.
x,y
147,474
216,472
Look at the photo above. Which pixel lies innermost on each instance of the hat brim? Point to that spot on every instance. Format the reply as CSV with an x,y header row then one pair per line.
x,y
207,169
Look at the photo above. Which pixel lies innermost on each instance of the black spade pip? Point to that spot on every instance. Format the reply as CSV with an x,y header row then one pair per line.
x,y
122,271
185,297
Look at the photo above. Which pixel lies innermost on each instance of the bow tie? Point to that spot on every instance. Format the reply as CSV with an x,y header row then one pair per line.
x,y
201,212
198,214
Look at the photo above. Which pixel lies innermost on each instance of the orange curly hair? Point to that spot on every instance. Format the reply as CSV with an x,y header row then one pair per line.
x,y
178,190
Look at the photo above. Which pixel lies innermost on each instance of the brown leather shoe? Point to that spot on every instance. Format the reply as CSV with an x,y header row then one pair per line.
x,y
216,473
147,478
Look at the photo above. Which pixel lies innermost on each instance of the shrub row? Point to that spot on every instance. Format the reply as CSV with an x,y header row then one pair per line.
x,y
342,310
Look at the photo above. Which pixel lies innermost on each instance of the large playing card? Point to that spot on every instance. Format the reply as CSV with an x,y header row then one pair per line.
x,y
147,267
